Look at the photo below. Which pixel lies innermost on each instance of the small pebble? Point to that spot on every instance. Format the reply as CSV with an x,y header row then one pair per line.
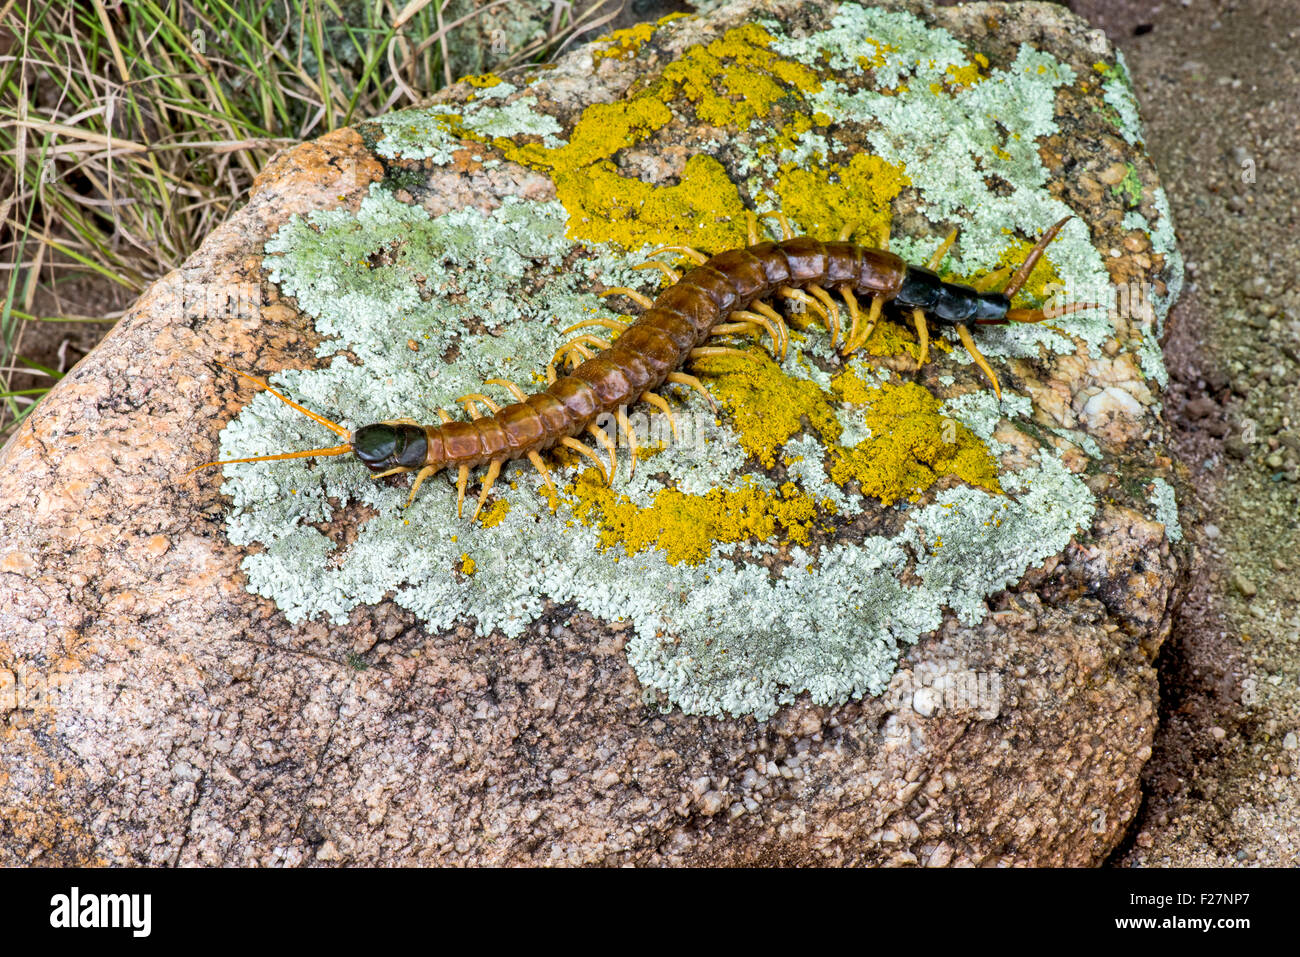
x,y
1291,742
1211,531
1217,733
1244,585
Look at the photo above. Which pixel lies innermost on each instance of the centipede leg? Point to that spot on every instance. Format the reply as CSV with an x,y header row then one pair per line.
x,y
713,352
589,452
923,334
601,436
694,254
777,320
640,298
846,231
536,459
423,474
786,231
969,342
682,378
855,315
751,228
611,324
991,281
660,403
462,480
494,469
873,317
632,446
832,312
672,274
376,476
509,386
745,316
470,398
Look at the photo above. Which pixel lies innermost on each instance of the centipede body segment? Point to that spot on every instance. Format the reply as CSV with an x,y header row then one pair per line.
x,y
725,294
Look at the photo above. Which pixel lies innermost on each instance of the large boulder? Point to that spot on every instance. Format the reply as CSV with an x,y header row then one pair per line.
x,y
864,614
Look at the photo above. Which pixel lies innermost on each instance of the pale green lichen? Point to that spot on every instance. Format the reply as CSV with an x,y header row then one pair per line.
x,y
1166,505
733,633
1117,91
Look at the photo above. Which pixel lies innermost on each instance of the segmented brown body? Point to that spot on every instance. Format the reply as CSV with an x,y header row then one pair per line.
x,y
659,342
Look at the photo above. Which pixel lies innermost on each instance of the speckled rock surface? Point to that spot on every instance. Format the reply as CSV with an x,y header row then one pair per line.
x,y
547,687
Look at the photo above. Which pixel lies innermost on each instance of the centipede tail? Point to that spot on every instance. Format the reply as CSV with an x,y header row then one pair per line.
x,y
722,294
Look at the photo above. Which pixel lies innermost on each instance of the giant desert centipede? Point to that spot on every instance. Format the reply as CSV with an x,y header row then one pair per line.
x,y
721,295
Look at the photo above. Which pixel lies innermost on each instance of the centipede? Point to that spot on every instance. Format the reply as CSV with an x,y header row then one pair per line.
x,y
726,294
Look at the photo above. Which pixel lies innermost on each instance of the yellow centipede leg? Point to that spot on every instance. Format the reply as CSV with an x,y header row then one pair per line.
x,y
509,386
751,228
709,352
787,232
470,398
601,436
923,334
611,324
682,378
969,342
462,479
873,316
832,312
632,446
778,341
640,298
847,231
494,469
855,315
660,403
444,416
777,320
992,280
589,452
423,474
694,254
376,476
672,274
546,473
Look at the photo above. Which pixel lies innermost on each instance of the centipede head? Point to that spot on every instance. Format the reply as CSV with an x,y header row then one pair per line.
x,y
391,445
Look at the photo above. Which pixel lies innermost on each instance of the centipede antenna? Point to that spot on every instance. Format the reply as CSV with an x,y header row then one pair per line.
x,y
1027,267
309,453
942,251
314,416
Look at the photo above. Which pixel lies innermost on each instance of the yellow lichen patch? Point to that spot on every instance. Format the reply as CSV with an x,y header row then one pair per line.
x,y
823,198
467,565
685,526
877,58
912,445
730,82
702,209
482,80
624,43
736,79
767,406
496,513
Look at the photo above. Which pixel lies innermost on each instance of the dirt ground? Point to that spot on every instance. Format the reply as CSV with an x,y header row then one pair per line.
x,y
1218,85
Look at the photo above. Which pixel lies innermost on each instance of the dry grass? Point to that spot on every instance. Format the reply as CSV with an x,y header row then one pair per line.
x,y
130,130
